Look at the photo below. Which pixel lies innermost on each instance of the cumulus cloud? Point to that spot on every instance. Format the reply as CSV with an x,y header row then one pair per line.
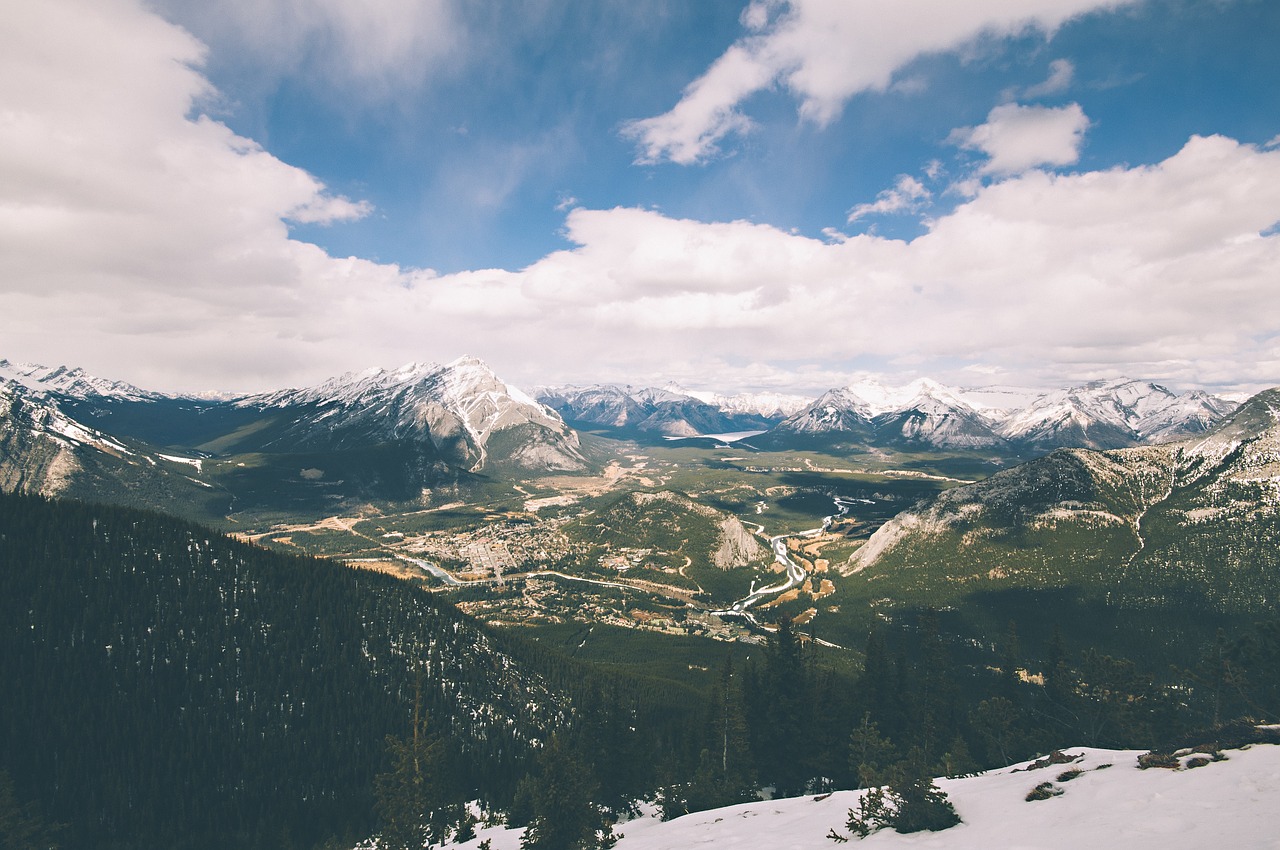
x,y
149,244
111,193
1158,270
826,51
1016,138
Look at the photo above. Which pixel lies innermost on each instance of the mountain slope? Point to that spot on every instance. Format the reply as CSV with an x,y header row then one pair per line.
x,y
1194,524
463,410
168,686
43,450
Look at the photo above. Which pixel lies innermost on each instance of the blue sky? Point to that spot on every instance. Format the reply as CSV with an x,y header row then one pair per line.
x,y
243,194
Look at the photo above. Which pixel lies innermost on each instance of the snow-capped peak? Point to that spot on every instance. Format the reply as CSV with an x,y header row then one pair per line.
x,y
1112,413
73,382
457,406
468,373
922,393
770,405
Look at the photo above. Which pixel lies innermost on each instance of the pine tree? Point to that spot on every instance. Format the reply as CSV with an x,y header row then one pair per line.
x,y
21,827
564,818
877,685
783,753
1010,661
910,802
995,721
409,795
735,774
870,753
920,804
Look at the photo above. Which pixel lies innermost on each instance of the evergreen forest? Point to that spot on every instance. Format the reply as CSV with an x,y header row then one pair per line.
x,y
167,686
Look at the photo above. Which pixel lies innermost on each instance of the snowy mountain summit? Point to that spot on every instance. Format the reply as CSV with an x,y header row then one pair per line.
x,y
73,383
926,414
1114,414
462,408
671,411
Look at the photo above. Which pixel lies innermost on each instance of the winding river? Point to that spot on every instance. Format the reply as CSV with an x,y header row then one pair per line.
x,y
795,574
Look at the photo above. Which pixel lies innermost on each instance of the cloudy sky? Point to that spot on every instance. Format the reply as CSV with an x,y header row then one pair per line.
x,y
248,194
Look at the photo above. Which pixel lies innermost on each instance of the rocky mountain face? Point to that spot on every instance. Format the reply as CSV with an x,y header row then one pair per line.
x,y
471,417
1194,523
925,415
648,410
1113,414
375,434
45,451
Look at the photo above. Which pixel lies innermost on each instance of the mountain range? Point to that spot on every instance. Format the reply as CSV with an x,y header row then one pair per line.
x,y
1191,526
402,434
922,415
669,412
373,434
927,415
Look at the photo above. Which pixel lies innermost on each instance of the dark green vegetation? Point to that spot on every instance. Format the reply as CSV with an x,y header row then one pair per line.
x,y
165,686
927,703
1148,551
169,687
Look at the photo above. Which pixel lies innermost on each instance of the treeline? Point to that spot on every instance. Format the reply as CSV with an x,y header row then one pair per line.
x,y
162,685
926,704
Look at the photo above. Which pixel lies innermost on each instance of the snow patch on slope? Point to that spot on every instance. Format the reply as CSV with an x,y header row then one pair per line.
x,y
1111,803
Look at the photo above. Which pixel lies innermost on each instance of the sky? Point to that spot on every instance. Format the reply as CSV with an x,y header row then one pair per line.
x,y
241,195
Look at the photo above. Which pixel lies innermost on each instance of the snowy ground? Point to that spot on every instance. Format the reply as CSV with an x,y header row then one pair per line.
x,y
1229,804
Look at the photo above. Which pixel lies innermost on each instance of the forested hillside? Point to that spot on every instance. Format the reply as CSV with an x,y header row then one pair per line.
x,y
166,686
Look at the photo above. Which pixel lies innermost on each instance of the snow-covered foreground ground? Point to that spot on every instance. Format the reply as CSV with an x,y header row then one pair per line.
x,y
1224,805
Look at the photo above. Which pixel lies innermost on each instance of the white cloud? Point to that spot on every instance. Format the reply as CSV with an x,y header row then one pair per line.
x,y
376,44
1061,75
148,245
1157,270
824,52
707,111
907,195
1017,138
118,212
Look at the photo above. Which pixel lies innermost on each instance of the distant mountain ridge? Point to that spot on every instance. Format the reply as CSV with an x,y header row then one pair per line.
x,y
926,414
668,412
402,433
70,382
